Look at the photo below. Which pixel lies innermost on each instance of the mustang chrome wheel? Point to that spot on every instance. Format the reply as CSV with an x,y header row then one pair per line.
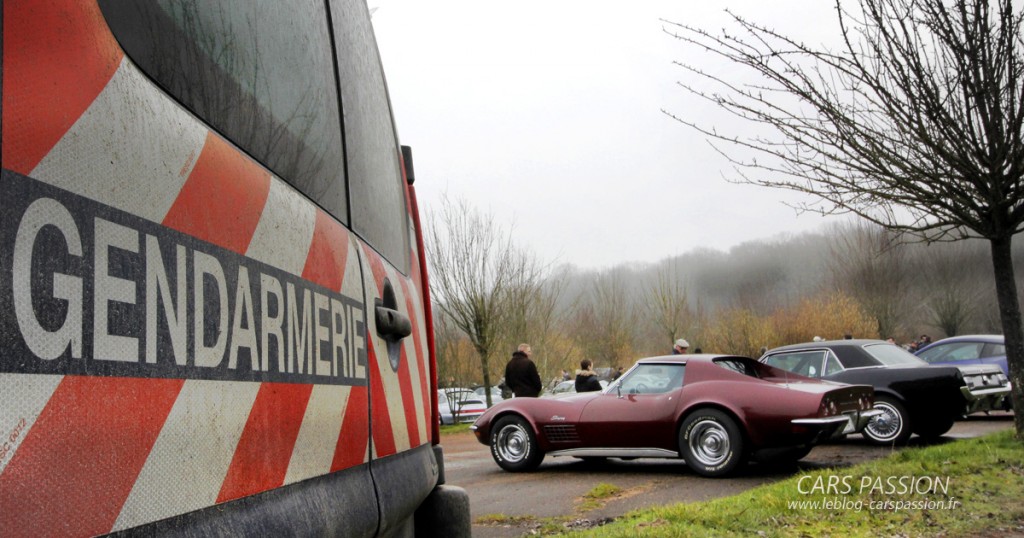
x,y
889,427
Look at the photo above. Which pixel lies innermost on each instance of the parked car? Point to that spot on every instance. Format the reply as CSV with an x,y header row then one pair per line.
x,y
569,387
913,396
714,411
459,405
967,350
481,394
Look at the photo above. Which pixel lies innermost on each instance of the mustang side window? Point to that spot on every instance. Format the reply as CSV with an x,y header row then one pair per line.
x,y
806,363
832,365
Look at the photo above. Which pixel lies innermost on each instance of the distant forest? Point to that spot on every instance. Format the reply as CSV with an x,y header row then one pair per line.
x,y
855,279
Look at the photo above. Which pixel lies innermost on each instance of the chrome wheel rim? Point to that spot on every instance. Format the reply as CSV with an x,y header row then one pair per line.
x,y
512,443
709,443
886,426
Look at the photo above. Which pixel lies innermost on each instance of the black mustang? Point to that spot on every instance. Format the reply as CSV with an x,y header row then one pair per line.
x,y
915,397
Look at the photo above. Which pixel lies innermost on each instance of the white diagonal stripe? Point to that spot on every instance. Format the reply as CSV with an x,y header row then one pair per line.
x,y
285,231
156,143
188,463
318,436
22,398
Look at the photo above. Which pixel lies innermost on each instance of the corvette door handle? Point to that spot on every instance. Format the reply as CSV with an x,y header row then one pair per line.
x,y
392,325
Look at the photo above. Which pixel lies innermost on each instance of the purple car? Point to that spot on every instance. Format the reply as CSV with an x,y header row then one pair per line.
x,y
967,349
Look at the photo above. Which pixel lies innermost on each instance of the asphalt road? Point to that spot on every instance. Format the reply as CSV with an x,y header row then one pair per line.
x,y
557,488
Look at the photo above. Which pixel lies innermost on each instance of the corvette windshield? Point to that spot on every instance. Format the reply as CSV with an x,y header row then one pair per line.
x,y
891,355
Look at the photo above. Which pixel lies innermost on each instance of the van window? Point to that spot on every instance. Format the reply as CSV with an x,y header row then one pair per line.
x,y
260,72
375,180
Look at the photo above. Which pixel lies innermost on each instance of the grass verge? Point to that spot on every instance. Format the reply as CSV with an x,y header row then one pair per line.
x,y
971,487
450,429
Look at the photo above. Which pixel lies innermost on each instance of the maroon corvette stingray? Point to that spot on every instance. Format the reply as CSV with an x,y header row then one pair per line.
x,y
714,411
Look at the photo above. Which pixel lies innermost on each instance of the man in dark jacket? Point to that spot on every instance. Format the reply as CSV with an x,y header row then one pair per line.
x,y
521,374
586,379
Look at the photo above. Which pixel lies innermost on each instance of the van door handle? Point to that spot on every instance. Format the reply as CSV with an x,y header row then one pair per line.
x,y
392,325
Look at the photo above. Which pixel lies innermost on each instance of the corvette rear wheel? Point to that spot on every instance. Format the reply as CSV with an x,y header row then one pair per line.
x,y
514,445
711,442
892,426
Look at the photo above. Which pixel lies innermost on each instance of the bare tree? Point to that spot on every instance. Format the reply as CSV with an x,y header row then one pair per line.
x,y
605,321
477,274
950,288
916,123
666,301
869,264
534,316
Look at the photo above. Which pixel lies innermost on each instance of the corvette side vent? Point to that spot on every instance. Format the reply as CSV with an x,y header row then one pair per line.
x,y
561,434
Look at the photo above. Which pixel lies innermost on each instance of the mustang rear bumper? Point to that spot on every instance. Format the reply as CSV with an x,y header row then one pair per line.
x,y
986,399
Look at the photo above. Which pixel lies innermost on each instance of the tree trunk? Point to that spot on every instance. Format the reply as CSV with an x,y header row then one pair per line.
x,y
1013,329
486,370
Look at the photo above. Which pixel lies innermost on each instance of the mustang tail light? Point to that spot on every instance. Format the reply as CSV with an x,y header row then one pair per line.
x,y
866,402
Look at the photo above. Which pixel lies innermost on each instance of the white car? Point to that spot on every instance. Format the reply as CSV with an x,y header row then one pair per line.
x,y
459,405
569,387
482,395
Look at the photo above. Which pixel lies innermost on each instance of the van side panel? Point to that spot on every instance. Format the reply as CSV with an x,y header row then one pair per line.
x,y
178,327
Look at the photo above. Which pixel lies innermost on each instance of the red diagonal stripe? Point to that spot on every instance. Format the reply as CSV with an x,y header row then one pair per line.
x,y
404,380
328,253
223,198
383,435
422,366
408,402
265,448
57,57
355,432
77,466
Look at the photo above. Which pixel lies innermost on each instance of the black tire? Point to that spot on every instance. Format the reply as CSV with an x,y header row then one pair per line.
x,y
711,443
784,455
592,459
514,445
893,427
935,428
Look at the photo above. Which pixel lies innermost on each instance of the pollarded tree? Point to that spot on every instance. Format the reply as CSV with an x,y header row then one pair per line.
x,y
915,122
666,302
476,275
870,263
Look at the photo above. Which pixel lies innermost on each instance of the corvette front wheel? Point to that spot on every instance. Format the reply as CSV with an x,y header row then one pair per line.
x,y
711,442
514,445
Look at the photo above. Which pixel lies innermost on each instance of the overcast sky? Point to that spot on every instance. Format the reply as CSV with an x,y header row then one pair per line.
x,y
547,115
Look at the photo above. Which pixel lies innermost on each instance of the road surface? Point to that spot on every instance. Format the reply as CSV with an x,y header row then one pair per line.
x,y
557,488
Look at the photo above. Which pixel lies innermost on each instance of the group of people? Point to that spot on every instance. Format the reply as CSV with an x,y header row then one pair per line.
x,y
523,380
917,344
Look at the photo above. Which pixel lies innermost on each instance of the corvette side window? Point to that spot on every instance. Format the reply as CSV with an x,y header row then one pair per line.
x,y
653,379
